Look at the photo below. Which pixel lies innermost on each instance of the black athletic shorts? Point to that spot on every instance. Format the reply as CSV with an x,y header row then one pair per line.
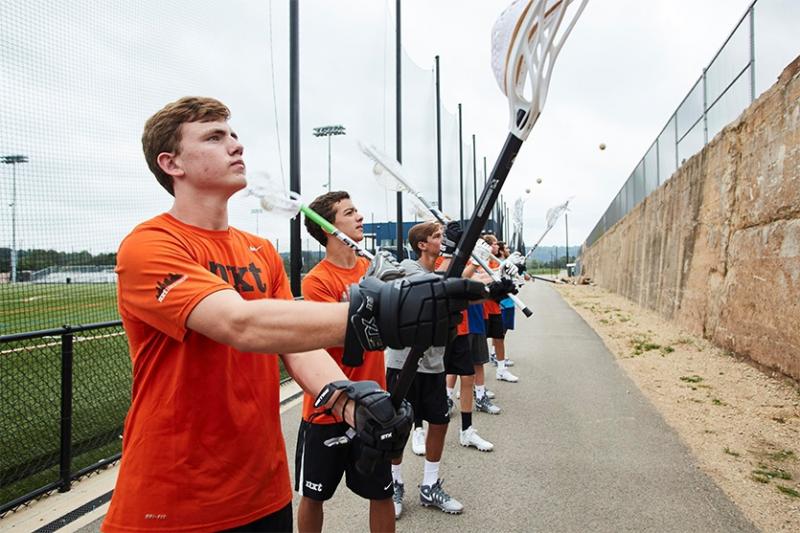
x,y
495,328
478,348
318,468
277,522
458,359
427,395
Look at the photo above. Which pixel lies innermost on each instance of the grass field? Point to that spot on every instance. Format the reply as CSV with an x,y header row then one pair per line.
x,y
32,307
30,382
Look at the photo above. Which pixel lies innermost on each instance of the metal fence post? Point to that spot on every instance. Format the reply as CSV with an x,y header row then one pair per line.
x,y
66,411
752,54
705,109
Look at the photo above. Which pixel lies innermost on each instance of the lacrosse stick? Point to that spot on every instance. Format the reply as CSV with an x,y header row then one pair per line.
x,y
525,43
552,217
289,204
393,179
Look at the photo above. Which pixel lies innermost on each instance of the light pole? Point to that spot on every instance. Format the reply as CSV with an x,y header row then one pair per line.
x,y
13,160
256,212
329,131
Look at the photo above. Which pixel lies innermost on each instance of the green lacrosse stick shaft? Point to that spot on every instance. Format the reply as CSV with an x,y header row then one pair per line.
x,y
330,228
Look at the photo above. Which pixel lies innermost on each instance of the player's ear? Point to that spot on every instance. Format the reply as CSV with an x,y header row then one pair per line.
x,y
169,163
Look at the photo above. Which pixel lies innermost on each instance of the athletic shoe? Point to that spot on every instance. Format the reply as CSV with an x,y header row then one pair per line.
x,y
493,360
418,441
505,375
485,405
509,362
451,407
469,437
435,496
397,498
487,392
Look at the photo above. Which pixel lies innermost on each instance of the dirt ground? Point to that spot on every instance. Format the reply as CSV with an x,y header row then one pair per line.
x,y
740,422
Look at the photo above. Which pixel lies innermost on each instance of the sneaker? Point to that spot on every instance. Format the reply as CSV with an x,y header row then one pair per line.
x,y
485,405
490,394
469,437
418,441
509,362
451,407
505,375
397,498
435,496
493,359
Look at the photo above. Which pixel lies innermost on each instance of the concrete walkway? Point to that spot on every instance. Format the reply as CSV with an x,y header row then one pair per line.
x,y
577,448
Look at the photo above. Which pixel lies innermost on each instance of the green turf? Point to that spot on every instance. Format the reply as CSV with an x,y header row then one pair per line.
x,y
32,306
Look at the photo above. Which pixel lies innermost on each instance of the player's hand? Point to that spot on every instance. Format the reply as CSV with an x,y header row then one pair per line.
x,y
385,267
510,269
382,429
482,250
420,311
499,290
450,237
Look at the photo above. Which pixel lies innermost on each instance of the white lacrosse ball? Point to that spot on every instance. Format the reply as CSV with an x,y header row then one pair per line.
x,y
377,169
602,146
527,191
538,180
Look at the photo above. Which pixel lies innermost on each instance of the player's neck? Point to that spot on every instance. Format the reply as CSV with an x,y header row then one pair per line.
x,y
428,262
339,253
203,211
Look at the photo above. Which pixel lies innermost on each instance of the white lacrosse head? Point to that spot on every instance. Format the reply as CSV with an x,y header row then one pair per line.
x,y
554,212
386,169
273,198
525,43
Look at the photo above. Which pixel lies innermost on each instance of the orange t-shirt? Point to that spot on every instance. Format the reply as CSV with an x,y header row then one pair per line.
x,y
202,447
491,307
327,282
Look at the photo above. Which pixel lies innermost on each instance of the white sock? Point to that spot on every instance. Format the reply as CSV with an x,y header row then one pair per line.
x,y
480,390
397,474
501,365
431,473
450,392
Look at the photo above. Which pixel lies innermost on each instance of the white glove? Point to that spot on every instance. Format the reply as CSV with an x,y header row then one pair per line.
x,y
516,258
385,267
483,250
510,269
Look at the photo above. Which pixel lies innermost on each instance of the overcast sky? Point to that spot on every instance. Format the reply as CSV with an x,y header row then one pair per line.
x,y
77,85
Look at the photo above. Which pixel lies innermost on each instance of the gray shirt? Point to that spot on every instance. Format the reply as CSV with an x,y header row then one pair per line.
x,y
432,362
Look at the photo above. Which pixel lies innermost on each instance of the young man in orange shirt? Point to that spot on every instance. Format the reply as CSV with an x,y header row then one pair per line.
x,y
204,308
325,450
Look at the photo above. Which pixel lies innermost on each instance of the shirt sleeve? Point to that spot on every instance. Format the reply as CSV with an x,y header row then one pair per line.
x,y
160,282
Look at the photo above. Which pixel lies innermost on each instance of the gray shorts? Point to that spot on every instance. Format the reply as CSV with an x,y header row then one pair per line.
x,y
478,348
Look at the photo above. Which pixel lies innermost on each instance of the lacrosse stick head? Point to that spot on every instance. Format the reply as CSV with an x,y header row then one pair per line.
x,y
554,212
526,40
273,198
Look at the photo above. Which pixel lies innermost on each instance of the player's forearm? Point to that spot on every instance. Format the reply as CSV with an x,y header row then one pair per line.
x,y
312,371
283,326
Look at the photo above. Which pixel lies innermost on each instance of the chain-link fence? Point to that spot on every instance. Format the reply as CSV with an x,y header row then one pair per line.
x,y
63,398
759,47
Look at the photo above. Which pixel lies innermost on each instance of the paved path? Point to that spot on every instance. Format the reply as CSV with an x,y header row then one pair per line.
x,y
577,448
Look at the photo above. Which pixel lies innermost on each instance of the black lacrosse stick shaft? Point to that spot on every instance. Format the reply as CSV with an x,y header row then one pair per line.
x,y
476,223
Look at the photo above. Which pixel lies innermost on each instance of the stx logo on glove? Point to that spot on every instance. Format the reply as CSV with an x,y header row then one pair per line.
x,y
370,329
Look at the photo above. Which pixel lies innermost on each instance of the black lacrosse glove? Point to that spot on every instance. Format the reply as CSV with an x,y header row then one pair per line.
x,y
499,290
420,311
382,429
451,237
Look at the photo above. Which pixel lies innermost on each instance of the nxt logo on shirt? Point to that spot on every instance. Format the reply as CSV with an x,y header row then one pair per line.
x,y
242,278
167,284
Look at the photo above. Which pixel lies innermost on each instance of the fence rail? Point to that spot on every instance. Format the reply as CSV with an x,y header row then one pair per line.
x,y
753,55
64,393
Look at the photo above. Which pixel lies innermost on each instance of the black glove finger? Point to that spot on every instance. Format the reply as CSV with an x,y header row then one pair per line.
x,y
461,291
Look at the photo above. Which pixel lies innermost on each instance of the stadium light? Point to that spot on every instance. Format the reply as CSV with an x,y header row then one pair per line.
x,y
329,131
13,160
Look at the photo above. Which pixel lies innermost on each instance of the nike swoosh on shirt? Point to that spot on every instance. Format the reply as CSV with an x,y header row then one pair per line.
x,y
256,248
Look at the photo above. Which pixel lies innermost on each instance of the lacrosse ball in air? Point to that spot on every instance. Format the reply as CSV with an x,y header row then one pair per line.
x,y
527,191
538,180
602,146
377,169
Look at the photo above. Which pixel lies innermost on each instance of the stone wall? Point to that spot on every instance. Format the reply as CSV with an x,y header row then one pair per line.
x,y
717,247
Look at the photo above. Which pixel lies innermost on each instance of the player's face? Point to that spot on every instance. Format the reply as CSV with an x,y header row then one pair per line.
x,y
434,243
348,220
210,157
